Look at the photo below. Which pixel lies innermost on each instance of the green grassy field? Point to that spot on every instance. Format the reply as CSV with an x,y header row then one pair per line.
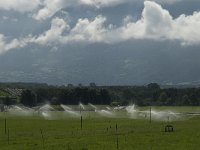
x,y
98,133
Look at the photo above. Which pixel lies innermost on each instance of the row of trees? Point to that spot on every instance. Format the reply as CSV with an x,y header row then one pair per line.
x,y
65,96
151,94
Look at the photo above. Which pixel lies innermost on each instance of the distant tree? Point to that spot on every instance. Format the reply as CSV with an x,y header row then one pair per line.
x,y
55,101
163,98
147,101
28,98
93,84
70,85
185,100
41,95
153,86
194,99
127,94
105,97
80,85
7,101
169,101
125,103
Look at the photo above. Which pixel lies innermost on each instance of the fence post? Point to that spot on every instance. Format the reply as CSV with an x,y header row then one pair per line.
x,y
42,137
81,122
8,137
5,125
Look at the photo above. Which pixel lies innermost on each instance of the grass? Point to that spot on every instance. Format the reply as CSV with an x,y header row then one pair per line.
x,y
98,133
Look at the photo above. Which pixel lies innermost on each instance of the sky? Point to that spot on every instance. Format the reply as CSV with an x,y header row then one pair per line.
x,y
109,42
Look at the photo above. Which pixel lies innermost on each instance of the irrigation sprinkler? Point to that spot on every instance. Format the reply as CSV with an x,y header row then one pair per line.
x,y
41,132
169,128
168,119
150,115
116,129
117,142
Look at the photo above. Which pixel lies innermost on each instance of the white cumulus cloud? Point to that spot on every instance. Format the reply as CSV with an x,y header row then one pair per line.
x,y
85,30
103,3
6,45
19,5
155,23
54,34
50,7
44,9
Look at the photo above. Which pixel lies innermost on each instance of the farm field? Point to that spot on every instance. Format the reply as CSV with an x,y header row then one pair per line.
x,y
55,130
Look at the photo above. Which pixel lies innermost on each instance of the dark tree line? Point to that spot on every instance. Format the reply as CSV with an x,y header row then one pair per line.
x,y
65,96
150,94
